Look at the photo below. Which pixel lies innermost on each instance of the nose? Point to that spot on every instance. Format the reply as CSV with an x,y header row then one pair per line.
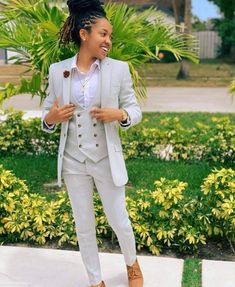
x,y
108,41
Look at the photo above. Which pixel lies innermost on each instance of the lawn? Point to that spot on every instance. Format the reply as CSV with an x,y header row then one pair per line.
x,y
214,73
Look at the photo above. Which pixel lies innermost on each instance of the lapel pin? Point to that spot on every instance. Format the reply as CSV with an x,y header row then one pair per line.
x,y
66,73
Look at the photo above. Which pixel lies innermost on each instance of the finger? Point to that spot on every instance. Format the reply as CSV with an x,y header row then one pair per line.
x,y
67,114
96,110
57,100
68,106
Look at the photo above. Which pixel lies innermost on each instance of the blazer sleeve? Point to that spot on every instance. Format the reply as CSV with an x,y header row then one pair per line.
x,y
48,103
127,99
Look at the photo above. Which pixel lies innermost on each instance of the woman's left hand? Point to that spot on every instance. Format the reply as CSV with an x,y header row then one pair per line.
x,y
106,114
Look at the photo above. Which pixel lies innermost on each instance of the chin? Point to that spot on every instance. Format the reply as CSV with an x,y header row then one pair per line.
x,y
101,57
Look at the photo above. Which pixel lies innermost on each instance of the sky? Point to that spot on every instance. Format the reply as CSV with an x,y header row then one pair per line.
x,y
205,9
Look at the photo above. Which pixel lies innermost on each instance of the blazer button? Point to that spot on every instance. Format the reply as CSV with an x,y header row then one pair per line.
x,y
95,135
97,144
79,135
94,124
79,125
80,145
78,115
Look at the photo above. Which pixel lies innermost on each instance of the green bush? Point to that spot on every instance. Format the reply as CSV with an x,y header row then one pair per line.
x,y
32,218
19,136
169,141
163,217
219,203
167,217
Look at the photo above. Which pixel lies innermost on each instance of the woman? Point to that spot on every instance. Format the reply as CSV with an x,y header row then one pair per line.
x,y
96,96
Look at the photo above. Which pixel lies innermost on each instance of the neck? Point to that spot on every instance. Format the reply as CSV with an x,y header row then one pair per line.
x,y
84,60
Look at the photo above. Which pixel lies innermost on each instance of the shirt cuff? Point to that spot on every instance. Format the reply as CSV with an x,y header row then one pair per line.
x,y
125,123
50,127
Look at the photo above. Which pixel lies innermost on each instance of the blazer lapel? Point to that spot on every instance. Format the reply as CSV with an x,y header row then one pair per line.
x,y
105,81
67,82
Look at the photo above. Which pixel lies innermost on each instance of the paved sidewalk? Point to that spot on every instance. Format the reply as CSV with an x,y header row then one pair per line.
x,y
40,267
218,273
170,99
179,99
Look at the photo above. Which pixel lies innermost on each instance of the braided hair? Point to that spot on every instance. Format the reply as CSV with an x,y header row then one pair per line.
x,y
82,14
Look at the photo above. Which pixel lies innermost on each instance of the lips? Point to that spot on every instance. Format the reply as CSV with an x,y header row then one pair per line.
x,y
105,49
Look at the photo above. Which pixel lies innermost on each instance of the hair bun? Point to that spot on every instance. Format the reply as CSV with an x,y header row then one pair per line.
x,y
79,6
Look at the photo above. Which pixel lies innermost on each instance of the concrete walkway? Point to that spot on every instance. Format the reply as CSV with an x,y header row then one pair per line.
x,y
40,267
218,273
189,100
173,99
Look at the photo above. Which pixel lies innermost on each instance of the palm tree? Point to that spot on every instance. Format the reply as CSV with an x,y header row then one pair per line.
x,y
30,27
176,8
184,67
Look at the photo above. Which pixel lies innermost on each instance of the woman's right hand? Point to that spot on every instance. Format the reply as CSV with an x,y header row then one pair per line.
x,y
59,114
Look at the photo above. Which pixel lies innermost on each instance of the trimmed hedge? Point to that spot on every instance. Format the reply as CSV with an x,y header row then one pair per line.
x,y
169,141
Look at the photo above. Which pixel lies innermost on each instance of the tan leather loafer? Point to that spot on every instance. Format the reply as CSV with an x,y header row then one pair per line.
x,y
135,276
102,284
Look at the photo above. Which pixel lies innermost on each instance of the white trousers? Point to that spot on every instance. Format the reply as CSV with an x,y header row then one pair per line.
x,y
79,178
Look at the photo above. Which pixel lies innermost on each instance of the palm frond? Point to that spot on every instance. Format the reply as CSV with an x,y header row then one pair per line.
x,y
30,28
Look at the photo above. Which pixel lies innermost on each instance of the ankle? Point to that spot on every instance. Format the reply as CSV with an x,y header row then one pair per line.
x,y
98,285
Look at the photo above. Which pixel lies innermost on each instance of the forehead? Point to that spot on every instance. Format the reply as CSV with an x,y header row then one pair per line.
x,y
103,24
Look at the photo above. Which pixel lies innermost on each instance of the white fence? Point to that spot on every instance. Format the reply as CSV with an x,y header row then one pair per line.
x,y
209,43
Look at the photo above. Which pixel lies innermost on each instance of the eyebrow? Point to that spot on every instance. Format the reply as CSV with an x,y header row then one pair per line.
x,y
106,30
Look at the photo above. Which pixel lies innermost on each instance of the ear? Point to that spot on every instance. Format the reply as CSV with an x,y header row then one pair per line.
x,y
83,34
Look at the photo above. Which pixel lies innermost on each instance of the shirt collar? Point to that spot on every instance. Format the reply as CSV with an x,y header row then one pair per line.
x,y
74,66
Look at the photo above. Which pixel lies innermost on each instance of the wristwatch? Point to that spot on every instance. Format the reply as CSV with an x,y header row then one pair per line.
x,y
124,115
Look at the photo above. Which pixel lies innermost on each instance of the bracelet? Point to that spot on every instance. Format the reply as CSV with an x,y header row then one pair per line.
x,y
124,115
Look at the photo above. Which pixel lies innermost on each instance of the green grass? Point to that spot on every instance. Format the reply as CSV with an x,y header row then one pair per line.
x,y
143,173
192,273
207,73
36,170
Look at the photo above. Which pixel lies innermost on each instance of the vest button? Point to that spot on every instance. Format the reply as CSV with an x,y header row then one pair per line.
x,y
78,115
95,135
79,125
97,144
80,145
79,135
94,124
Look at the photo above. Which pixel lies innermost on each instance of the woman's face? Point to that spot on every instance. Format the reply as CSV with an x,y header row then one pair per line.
x,y
99,41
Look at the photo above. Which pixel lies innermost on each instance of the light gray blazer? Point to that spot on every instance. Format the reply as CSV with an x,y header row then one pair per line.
x,y
116,92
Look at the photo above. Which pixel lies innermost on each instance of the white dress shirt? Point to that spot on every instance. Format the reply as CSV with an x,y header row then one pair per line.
x,y
84,99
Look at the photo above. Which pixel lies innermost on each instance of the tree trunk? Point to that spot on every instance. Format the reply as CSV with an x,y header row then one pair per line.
x,y
188,16
232,53
183,73
176,8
